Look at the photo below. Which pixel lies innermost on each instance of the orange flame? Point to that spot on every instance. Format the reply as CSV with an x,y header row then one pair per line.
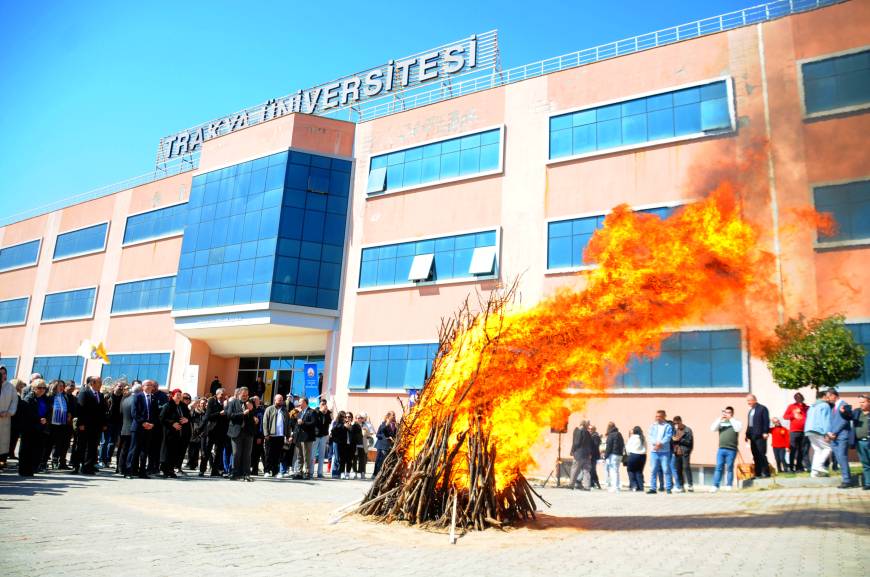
x,y
653,276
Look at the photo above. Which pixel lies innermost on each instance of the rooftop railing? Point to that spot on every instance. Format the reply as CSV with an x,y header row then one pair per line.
x,y
679,33
487,80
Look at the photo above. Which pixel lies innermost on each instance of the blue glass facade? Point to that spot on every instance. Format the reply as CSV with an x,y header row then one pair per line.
x,y
391,264
82,241
154,366
861,333
567,239
67,368
692,359
13,312
391,366
11,364
849,204
689,111
19,255
70,304
271,229
155,224
143,295
838,82
462,156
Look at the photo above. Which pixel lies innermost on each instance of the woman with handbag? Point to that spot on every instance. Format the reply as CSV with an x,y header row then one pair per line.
x,y
636,449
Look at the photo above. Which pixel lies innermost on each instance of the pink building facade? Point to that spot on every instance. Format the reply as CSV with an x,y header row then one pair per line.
x,y
306,240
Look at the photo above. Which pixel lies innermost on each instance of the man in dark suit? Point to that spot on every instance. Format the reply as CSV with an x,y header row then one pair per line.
x,y
306,433
581,450
756,435
92,421
145,418
161,399
216,435
241,430
125,432
839,427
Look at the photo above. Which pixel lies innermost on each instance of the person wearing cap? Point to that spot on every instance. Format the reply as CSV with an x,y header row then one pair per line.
x,y
779,439
33,417
8,406
173,417
796,415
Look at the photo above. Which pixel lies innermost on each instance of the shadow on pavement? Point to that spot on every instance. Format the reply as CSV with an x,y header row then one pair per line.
x,y
789,519
12,485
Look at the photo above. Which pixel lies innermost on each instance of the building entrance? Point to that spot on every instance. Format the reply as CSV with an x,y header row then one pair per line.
x,y
268,376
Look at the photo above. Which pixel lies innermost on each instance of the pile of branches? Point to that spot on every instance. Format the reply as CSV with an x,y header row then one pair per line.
x,y
419,490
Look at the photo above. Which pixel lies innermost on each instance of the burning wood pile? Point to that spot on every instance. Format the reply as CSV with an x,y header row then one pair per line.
x,y
504,372
450,479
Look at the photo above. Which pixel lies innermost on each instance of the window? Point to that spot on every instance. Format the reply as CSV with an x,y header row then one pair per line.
x,y
267,230
288,376
11,364
143,295
849,204
451,259
567,239
155,224
692,359
693,111
14,311
75,304
836,83
82,241
391,366
448,159
861,332
154,366
67,368
19,255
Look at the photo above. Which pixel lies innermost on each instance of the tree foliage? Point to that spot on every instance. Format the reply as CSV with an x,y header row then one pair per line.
x,y
819,353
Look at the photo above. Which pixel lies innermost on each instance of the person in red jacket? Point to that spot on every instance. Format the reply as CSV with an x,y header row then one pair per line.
x,y
796,415
780,437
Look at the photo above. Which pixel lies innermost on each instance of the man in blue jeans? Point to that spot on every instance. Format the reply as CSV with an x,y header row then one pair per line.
x,y
728,428
660,434
839,427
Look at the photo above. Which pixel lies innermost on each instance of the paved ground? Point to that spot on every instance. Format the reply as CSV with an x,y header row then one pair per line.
x,y
68,525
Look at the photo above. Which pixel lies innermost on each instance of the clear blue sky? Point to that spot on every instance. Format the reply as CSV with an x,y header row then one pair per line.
x,y
87,89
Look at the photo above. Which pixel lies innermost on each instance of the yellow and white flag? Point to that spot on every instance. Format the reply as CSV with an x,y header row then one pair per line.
x,y
89,350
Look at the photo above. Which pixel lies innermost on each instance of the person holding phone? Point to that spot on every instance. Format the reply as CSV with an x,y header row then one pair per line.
x,y
728,428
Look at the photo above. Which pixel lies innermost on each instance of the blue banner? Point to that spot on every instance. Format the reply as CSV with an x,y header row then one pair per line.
x,y
312,384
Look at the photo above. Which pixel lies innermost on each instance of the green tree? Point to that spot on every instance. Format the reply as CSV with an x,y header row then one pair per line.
x,y
819,353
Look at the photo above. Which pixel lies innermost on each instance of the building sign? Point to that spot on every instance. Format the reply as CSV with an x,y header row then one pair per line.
x,y
312,382
403,74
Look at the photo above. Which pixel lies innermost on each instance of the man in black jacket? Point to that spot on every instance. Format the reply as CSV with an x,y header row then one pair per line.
x,y
682,444
92,421
242,427
305,436
581,450
324,420
756,435
216,435
161,399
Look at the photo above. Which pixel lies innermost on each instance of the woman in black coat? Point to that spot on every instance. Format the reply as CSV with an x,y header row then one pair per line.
x,y
32,417
173,419
341,436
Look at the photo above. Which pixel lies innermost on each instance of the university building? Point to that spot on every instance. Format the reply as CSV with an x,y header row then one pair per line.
x,y
336,227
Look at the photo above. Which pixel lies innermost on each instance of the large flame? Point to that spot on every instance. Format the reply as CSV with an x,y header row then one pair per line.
x,y
653,276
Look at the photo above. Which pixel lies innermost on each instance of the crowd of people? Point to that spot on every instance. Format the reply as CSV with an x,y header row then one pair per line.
x,y
140,430
817,437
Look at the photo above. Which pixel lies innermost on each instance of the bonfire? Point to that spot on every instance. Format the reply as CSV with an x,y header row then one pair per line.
x,y
503,372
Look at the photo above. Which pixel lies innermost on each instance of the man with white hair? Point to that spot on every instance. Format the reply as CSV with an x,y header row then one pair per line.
x,y
757,431
276,429
144,419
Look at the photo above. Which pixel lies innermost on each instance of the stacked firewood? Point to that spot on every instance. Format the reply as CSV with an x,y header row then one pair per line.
x,y
451,479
